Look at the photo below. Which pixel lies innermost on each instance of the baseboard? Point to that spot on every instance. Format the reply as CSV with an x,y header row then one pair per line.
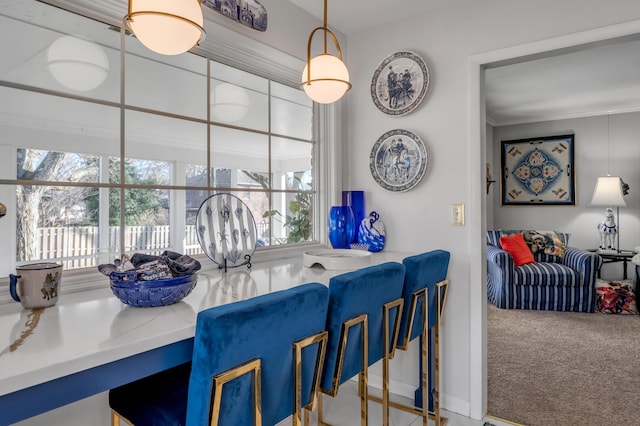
x,y
497,421
449,403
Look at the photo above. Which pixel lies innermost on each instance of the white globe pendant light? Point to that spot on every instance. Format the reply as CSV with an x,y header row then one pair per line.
x,y
325,78
168,27
77,64
229,103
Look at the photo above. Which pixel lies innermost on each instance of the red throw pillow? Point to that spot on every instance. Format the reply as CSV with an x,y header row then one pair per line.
x,y
516,247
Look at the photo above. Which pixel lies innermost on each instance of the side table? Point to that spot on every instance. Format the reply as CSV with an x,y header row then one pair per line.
x,y
623,256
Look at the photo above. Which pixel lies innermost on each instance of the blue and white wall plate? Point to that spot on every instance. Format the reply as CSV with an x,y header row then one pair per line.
x,y
400,83
398,160
226,230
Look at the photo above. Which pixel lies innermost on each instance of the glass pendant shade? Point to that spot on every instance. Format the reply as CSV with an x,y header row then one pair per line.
x,y
229,103
608,192
168,27
329,79
77,64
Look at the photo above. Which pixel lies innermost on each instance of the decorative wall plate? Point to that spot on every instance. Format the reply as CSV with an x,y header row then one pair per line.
x,y
247,12
398,160
226,230
400,83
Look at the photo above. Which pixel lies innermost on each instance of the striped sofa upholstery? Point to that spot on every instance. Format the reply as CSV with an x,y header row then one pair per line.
x,y
552,283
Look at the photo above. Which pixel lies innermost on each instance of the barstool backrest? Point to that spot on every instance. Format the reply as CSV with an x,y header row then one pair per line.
x,y
264,328
422,270
353,294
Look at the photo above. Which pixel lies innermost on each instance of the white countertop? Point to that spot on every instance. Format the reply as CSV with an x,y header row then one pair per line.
x,y
91,328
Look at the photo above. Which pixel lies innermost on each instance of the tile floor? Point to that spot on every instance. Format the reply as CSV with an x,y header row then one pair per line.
x,y
344,410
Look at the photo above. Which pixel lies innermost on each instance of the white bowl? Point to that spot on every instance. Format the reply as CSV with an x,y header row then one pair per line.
x,y
337,259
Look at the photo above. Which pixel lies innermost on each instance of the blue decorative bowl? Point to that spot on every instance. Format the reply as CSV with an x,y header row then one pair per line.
x,y
151,293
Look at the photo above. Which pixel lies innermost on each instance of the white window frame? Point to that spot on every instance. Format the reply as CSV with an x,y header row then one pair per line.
x,y
248,55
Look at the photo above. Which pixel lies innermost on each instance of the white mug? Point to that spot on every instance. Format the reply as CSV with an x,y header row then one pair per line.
x,y
36,285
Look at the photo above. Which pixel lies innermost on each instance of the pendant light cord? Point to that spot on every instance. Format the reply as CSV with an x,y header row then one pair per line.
x,y
608,144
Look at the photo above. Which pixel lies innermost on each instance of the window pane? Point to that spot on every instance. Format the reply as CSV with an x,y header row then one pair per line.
x,y
291,112
36,164
147,217
289,156
46,122
156,137
85,64
237,105
292,217
57,223
239,150
174,84
195,174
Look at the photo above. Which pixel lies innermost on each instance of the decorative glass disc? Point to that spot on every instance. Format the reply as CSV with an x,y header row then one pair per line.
x,y
226,230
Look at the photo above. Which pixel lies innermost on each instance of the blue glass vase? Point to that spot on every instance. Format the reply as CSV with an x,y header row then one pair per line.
x,y
355,200
342,226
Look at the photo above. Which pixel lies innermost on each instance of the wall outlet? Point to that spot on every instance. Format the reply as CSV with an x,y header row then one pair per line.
x,y
457,214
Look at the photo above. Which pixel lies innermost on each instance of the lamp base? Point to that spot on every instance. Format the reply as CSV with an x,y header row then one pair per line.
x,y
607,251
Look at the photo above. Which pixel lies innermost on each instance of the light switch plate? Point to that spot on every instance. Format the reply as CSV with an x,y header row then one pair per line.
x,y
457,214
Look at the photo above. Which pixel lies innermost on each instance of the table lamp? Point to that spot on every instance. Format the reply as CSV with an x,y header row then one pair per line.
x,y
609,193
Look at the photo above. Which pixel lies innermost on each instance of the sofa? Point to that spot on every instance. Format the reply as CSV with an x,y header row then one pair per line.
x,y
555,283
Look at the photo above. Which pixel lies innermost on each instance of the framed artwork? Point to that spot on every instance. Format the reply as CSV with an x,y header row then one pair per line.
x,y
398,160
400,83
538,171
247,12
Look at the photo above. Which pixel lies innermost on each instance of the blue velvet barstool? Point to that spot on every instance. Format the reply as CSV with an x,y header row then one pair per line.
x,y
361,304
255,362
425,279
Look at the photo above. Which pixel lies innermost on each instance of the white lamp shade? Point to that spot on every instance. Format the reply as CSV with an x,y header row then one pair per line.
x,y
608,192
77,64
329,79
168,27
229,103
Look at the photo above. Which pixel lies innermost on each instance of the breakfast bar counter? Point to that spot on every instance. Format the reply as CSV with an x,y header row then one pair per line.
x,y
90,342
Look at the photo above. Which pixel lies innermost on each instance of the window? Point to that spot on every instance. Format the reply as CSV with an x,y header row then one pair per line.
x,y
94,166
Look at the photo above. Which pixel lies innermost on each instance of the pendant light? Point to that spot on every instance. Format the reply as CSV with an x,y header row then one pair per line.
x,y
325,78
168,27
77,64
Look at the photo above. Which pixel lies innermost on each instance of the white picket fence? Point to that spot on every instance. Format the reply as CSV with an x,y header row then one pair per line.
x,y
78,247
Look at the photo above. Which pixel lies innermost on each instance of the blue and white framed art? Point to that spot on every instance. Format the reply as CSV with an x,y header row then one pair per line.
x,y
400,83
538,171
398,160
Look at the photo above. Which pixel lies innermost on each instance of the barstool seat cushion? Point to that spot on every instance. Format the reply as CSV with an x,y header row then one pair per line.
x,y
160,399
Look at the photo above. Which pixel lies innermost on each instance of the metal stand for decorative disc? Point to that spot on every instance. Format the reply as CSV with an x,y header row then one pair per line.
x,y
247,258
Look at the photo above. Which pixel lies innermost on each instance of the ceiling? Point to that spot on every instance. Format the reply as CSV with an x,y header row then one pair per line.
x,y
352,16
590,80
602,78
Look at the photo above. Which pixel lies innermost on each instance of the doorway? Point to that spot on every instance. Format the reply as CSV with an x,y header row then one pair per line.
x,y
478,208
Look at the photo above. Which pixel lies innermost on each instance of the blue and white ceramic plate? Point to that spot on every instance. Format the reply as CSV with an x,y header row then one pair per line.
x,y
398,160
400,83
226,230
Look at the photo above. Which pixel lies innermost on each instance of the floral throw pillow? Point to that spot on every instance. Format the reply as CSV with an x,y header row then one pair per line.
x,y
547,242
616,297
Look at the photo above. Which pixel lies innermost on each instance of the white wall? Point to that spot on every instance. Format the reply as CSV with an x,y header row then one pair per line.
x,y
591,152
419,219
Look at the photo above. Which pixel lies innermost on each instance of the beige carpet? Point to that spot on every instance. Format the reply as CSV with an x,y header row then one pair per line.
x,y
563,368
